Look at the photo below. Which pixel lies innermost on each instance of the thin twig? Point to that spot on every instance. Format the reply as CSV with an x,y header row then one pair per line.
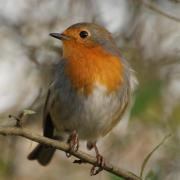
x,y
64,147
154,7
151,153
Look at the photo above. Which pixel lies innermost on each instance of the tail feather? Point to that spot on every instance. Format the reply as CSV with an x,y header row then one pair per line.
x,y
42,153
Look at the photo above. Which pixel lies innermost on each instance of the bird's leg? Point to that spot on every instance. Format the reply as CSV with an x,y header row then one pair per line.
x,y
100,163
73,142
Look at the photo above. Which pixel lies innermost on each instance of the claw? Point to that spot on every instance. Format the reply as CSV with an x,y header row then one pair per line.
x,y
68,154
100,163
95,170
79,161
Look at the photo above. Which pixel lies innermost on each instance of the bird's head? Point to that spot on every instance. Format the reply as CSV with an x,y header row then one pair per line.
x,y
86,36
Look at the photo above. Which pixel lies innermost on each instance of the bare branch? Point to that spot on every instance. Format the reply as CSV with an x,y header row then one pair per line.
x,y
64,147
154,7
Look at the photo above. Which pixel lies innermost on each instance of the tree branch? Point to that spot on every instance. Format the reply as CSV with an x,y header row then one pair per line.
x,y
64,147
154,7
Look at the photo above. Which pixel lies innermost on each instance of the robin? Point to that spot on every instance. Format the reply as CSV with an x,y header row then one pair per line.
x,y
90,91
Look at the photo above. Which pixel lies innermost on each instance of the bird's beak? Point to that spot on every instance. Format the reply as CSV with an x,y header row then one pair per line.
x,y
59,36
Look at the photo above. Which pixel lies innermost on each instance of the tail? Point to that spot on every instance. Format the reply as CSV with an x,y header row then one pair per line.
x,y
42,153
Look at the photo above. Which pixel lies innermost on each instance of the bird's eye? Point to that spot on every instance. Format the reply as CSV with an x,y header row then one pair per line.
x,y
83,34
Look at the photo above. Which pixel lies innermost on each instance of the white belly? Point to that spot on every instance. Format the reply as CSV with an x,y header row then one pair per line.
x,y
90,115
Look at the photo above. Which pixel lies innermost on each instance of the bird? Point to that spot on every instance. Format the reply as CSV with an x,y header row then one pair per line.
x,y
90,92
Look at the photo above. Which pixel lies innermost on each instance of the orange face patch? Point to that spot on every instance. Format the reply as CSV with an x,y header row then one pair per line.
x,y
88,66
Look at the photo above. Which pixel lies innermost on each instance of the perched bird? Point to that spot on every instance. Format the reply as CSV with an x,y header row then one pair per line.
x,y
90,91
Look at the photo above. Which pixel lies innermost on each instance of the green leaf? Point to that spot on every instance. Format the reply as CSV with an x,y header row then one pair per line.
x,y
28,112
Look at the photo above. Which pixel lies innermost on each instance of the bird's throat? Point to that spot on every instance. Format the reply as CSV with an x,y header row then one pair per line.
x,y
89,66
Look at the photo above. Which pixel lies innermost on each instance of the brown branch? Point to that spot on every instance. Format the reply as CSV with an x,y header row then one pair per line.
x,y
154,7
64,147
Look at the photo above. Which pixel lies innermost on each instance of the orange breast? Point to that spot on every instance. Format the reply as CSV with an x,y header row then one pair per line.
x,y
88,66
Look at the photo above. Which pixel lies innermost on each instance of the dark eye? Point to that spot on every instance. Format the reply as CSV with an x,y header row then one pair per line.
x,y
83,34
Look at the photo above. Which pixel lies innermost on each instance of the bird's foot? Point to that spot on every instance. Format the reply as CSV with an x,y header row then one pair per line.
x,y
73,142
100,163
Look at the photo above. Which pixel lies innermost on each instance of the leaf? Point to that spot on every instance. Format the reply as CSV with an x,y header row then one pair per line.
x,y
28,112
